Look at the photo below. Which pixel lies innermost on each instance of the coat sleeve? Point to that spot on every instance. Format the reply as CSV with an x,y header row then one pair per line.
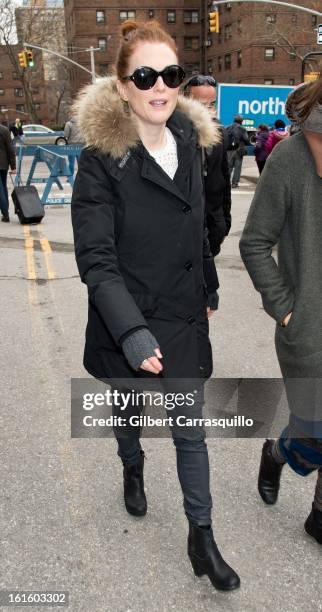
x,y
214,194
209,267
93,219
226,192
264,224
10,151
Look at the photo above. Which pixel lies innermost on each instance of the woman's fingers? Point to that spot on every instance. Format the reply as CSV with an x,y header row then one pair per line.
x,y
152,365
158,353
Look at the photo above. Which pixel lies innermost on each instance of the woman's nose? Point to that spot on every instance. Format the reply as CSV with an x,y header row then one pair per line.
x,y
159,84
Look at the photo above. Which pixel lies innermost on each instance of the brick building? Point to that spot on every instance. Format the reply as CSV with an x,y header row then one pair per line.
x,y
262,43
90,22
258,43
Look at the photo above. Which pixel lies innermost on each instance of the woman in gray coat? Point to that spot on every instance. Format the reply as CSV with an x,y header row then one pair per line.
x,y
287,211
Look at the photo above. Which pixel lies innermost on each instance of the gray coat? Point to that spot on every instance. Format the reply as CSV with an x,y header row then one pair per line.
x,y
7,152
287,211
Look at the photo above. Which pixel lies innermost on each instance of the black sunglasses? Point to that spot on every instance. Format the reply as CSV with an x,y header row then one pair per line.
x,y
145,77
200,79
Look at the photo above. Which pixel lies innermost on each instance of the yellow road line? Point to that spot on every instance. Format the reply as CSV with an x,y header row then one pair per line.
x,y
30,254
46,249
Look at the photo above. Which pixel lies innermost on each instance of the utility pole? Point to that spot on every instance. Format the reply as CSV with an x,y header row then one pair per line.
x,y
91,50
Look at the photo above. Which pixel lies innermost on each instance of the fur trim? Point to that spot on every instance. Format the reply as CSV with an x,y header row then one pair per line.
x,y
106,124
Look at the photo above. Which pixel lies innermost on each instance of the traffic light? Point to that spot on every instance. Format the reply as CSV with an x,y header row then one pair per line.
x,y
214,21
30,58
22,59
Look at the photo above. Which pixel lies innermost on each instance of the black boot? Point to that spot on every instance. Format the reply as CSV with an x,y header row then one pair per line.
x,y
5,218
269,475
206,559
134,496
313,524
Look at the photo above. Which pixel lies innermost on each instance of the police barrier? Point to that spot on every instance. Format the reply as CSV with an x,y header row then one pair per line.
x,y
60,161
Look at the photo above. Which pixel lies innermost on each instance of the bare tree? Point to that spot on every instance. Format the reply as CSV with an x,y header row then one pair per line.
x,y
45,27
8,38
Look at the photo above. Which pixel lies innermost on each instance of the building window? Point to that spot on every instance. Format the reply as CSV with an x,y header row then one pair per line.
x,y
271,18
228,6
2,108
268,81
269,53
102,43
15,76
239,58
294,18
227,61
1,75
151,14
1,92
18,92
291,82
37,106
228,31
100,16
103,69
239,28
191,42
124,15
219,64
314,20
171,16
192,68
191,17
209,69
20,108
292,54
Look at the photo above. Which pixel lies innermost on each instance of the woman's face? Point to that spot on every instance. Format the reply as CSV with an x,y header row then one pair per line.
x,y
152,106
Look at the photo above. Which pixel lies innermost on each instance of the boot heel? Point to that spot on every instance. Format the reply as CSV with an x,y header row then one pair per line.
x,y
197,566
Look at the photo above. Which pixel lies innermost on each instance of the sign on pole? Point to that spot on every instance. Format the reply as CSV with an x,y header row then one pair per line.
x,y
256,103
319,40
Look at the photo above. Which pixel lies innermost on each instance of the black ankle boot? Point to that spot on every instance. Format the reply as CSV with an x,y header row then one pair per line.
x,y
206,559
134,496
269,475
313,524
5,218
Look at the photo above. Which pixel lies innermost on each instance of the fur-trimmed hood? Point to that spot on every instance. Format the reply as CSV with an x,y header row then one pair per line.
x,y
106,125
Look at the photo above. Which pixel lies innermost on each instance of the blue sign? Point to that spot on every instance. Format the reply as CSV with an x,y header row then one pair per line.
x,y
260,103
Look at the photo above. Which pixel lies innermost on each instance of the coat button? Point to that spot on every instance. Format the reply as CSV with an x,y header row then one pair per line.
x,y
188,266
191,320
186,209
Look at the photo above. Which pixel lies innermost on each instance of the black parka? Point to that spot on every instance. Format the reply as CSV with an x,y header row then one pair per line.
x,y
140,241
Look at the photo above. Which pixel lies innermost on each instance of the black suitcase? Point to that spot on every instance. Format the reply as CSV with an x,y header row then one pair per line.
x,y
27,204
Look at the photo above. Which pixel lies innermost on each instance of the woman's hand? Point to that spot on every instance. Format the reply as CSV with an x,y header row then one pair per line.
x,y
287,319
152,364
210,312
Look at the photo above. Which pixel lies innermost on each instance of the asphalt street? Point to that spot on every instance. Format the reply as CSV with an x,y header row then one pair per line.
x,y
62,522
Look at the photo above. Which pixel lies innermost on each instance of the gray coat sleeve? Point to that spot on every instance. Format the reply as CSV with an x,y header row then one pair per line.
x,y
264,224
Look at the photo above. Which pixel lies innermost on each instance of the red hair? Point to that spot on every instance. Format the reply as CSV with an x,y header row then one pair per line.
x,y
132,33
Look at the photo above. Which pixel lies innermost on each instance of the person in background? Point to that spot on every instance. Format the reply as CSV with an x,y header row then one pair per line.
x,y
7,159
73,136
216,170
141,247
17,131
287,211
260,146
276,135
237,139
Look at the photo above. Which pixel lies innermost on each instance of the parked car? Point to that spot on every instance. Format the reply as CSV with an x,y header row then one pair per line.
x,y
40,134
